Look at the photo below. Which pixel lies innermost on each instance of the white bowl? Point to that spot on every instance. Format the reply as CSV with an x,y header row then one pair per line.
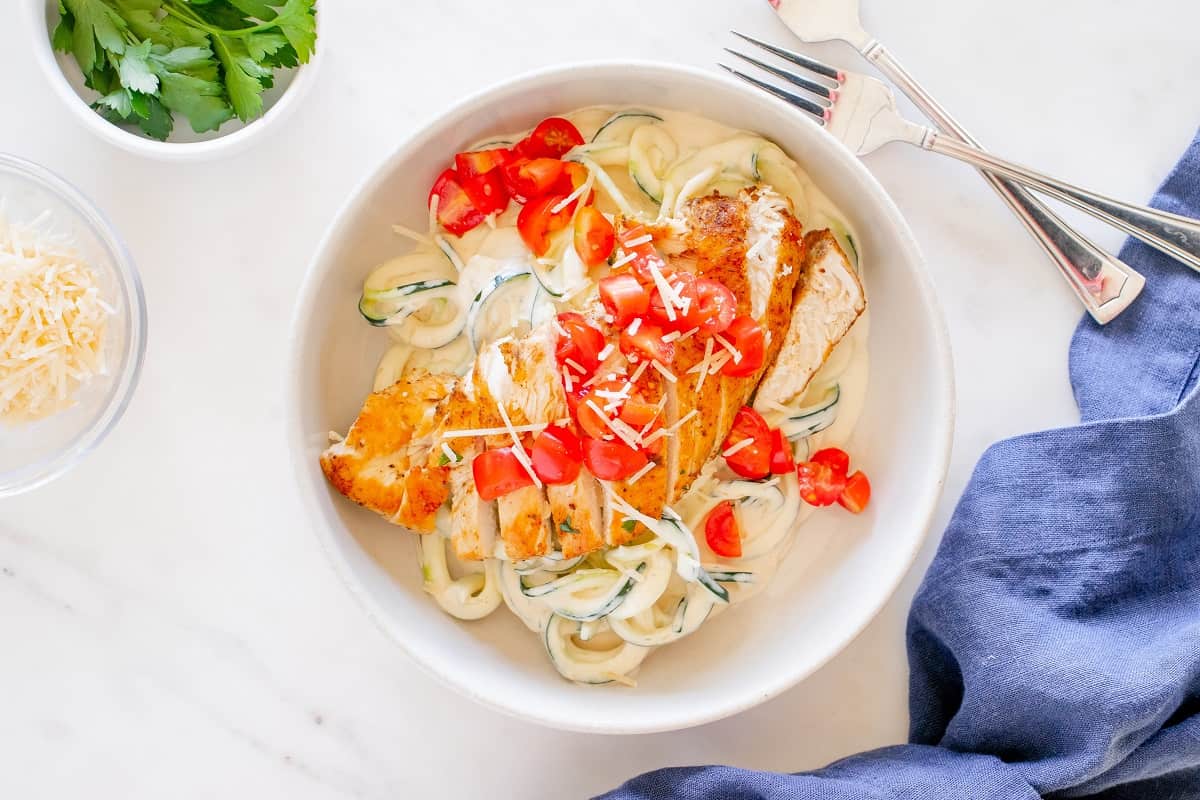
x,y
66,80
843,569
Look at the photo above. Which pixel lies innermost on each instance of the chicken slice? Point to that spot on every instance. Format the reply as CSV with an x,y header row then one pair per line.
x,y
371,466
473,522
829,299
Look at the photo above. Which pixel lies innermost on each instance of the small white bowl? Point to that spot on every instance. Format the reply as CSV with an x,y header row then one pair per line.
x,y
183,144
35,453
843,568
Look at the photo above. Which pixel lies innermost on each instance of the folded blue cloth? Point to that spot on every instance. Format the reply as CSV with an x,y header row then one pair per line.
x,y
1055,642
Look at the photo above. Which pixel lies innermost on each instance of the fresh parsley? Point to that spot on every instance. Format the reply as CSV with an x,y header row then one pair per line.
x,y
565,526
629,525
206,60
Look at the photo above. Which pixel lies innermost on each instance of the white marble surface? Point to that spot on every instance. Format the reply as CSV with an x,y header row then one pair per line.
x,y
169,626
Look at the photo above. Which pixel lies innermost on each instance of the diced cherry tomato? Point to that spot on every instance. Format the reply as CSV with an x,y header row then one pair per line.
x,y
637,413
721,531
487,192
835,458
712,307
582,344
527,179
537,221
747,338
645,254
623,297
594,237
782,460
647,343
498,472
550,139
557,455
857,494
455,211
751,461
612,461
481,162
573,176
592,410
683,283
819,486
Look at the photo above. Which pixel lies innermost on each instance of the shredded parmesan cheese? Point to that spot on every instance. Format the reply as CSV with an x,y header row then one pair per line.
x,y
641,473
52,324
666,373
733,351
476,432
635,326
623,260
409,233
606,352
736,448
639,241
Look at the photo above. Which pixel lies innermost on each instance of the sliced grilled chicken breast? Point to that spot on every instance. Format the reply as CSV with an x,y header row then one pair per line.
x,y
829,299
752,244
373,465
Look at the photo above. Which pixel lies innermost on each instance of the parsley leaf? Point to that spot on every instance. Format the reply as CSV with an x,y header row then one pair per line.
x,y
629,525
94,22
565,526
134,69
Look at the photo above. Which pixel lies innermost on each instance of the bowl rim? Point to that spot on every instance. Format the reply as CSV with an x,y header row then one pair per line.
x,y
219,145
134,352
942,438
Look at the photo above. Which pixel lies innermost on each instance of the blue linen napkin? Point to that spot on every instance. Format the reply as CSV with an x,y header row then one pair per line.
x,y
1054,644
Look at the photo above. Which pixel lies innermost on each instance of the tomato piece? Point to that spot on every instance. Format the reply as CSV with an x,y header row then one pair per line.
x,y
684,284
644,254
623,297
647,342
487,192
498,472
455,211
819,486
582,344
593,410
721,531
550,139
594,237
573,176
857,494
753,460
835,458
747,338
712,307
612,461
557,455
537,221
637,413
782,459
481,162
529,178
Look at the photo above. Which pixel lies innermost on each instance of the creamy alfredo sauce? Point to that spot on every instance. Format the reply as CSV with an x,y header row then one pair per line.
x,y
599,616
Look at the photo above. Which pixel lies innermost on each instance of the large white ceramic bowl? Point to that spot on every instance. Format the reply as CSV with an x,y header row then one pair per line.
x,y
843,568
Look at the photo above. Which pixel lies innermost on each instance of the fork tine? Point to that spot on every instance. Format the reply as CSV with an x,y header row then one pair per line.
x,y
804,104
790,77
799,60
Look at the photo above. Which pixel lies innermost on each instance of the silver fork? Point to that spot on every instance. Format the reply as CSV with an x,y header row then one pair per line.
x,y
1104,284
861,112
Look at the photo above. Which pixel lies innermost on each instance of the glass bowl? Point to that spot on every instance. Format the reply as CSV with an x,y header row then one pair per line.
x,y
32,454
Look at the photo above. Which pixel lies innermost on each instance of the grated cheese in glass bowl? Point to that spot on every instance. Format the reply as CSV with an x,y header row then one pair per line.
x,y
72,326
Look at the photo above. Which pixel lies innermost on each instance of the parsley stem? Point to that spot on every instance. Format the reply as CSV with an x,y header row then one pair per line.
x,y
195,20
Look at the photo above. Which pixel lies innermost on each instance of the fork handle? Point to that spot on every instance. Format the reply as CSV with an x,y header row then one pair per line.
x,y
1175,235
1105,285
